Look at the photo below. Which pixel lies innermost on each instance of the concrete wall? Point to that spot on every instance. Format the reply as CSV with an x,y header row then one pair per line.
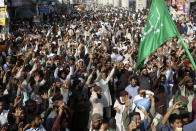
x,y
125,3
105,2
99,2
116,3
111,2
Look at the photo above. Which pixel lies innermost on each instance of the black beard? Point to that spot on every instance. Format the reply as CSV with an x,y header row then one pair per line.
x,y
145,74
97,127
80,87
99,96
36,125
189,87
133,86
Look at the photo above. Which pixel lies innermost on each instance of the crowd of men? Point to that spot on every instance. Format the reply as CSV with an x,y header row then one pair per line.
x,y
79,74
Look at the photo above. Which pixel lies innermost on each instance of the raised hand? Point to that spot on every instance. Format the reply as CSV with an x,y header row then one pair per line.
x,y
20,126
17,100
132,126
103,69
151,97
115,65
127,103
61,107
177,105
145,112
153,127
17,112
91,56
37,101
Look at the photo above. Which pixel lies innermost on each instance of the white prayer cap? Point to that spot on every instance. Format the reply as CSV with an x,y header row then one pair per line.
x,y
115,48
124,48
51,54
80,60
54,42
125,62
18,38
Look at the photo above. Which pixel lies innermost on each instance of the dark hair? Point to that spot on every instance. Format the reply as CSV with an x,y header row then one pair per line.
x,y
105,120
185,115
76,82
173,118
134,114
175,89
30,101
162,76
32,118
133,77
155,66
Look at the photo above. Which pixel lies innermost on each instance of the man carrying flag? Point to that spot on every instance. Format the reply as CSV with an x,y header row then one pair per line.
x,y
158,29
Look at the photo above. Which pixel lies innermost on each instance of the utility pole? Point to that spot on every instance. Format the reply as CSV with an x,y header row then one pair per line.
x,y
37,7
68,7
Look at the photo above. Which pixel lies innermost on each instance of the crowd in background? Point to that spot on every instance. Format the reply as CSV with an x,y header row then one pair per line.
x,y
78,72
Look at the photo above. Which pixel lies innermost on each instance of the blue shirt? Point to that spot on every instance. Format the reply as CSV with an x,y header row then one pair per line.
x,y
190,127
40,128
132,91
166,127
144,125
5,66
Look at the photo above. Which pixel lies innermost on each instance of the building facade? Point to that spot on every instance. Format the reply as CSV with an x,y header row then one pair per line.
x,y
115,3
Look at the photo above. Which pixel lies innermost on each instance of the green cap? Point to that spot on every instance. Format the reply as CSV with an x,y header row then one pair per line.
x,y
184,101
71,57
8,57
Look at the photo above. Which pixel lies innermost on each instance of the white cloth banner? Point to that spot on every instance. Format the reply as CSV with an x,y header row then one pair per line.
x,y
116,3
2,4
141,4
125,3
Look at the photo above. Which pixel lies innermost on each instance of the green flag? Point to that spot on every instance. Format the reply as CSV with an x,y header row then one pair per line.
x,y
158,29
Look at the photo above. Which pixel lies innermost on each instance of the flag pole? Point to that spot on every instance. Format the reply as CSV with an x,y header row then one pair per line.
x,y
187,51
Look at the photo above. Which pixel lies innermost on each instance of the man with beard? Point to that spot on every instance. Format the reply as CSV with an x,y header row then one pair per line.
x,y
159,83
96,102
154,73
191,126
144,79
103,83
187,90
123,75
35,122
30,108
79,107
96,123
132,89
119,106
